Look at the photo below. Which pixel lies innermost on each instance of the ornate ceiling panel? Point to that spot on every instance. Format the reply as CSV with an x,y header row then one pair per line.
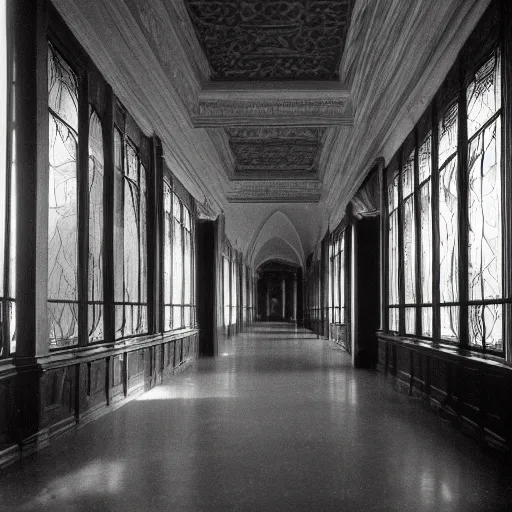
x,y
275,149
271,39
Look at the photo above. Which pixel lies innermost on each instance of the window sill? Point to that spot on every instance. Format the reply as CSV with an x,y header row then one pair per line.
x,y
7,368
447,352
73,355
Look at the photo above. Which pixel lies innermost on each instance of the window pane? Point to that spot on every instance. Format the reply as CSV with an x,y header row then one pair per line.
x,y
448,233
131,231
484,94
485,326
392,189
62,201
426,322
118,218
63,323
410,320
187,268
484,205
226,291
167,253
393,319
426,242
425,159
448,132
449,323
96,173
234,289
409,251
62,89
143,239
408,176
393,258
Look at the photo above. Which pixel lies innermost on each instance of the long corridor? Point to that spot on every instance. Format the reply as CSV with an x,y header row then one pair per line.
x,y
279,422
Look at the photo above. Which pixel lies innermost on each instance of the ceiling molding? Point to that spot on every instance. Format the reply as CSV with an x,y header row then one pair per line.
x,y
273,104
277,190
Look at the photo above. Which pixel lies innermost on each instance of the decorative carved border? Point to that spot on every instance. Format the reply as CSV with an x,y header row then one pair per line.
x,y
282,191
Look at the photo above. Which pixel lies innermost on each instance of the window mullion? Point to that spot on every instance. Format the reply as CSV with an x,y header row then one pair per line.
x,y
462,183
417,229
436,276
401,280
83,211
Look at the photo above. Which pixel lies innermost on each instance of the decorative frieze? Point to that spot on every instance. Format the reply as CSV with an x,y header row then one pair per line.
x,y
291,191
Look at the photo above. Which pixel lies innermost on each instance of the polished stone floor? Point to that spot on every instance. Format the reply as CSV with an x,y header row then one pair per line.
x,y
278,422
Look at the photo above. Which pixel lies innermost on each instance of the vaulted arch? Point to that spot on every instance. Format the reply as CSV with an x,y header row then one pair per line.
x,y
277,238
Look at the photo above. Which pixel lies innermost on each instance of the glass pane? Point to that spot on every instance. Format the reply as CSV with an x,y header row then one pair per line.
x,y
95,320
177,265
12,325
176,317
426,322
341,281
120,321
62,89
393,258
448,233
234,288
425,159
392,189
187,268
393,319
484,94
449,323
131,231
12,240
176,207
410,320
62,212
409,251
143,230
167,318
226,290
118,219
96,173
485,326
484,205
426,242
448,132
408,176
167,245
63,322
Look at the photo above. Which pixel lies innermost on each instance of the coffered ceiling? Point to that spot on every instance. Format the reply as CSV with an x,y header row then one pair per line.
x,y
268,151
271,39
273,87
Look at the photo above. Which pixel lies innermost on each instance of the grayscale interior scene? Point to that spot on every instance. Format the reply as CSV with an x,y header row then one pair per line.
x,y
255,255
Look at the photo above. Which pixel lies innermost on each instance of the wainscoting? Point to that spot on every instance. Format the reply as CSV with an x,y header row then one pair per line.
x,y
67,389
474,393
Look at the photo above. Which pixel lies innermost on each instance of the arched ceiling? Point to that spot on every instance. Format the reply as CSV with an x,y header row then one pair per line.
x,y
277,238
277,249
